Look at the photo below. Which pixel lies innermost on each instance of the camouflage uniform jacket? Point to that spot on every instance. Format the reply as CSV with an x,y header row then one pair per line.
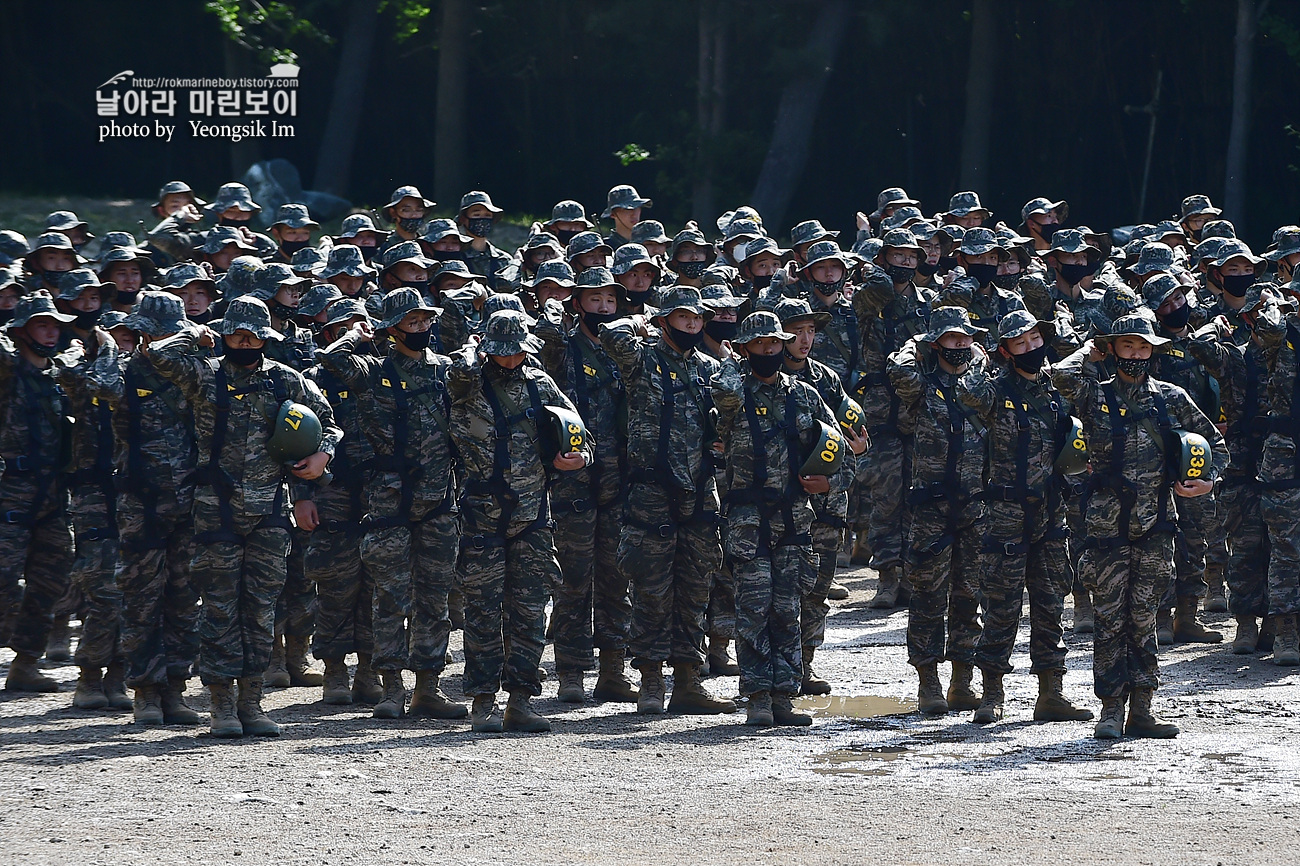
x,y
1085,312
296,350
35,438
986,310
92,434
831,507
486,263
887,320
177,238
1279,335
1242,374
353,454
1182,367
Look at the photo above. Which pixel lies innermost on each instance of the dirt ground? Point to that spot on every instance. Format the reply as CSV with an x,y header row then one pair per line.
x,y
870,781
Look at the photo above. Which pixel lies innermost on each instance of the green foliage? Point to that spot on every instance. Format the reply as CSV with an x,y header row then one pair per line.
x,y
410,15
266,29
1284,32
632,152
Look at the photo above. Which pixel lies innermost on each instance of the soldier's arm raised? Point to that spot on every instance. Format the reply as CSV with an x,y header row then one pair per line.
x,y
728,389
1076,376
976,389
874,293
623,346
463,376
904,370
180,359
341,358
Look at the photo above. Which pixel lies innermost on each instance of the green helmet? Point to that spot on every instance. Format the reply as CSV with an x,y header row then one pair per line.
x,y
566,432
849,414
1194,456
827,454
1073,458
296,434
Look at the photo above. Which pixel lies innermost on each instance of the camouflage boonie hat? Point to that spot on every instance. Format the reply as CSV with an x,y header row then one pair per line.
x,y
1044,205
629,256
683,298
241,277
569,211
809,232
469,199
408,192
9,278
1072,241
1159,289
1008,236
294,216
868,248
180,275
119,241
744,212
953,231
900,239
347,259
1155,256
592,278
895,195
506,333
946,320
718,274
762,324
157,314
558,271
355,224
1166,228
1218,229
978,241
826,251
271,278
904,217
791,310
407,251
1017,323
742,230
1119,301
690,234
453,268
649,232
110,319
1134,326
13,245
176,187
1234,248
220,237
1197,204
249,314
1286,242
309,261
718,296
436,230
398,303
506,301
112,255
743,253
53,241
966,203
233,195
72,284
586,242
342,309
38,303
1208,249
316,299
1255,296
624,196
65,221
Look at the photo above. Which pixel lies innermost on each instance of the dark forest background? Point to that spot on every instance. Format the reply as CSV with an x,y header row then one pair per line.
x,y
800,107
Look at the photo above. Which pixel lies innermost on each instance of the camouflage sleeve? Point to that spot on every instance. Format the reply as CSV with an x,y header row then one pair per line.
x,y
70,368
1206,347
624,347
300,489
1270,327
904,369
1191,418
179,359
1037,297
977,390
1076,377
874,293
463,379
108,374
550,330
728,391
176,237
453,324
341,359
551,395
1067,338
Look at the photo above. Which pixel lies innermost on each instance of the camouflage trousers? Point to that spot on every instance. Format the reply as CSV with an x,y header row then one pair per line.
x,y
160,604
1073,504
1008,566
1280,510
414,567
886,477
945,588
720,614
295,610
813,607
1126,582
345,588
239,584
1197,519
38,552
592,605
94,572
670,563
1247,573
506,583
769,589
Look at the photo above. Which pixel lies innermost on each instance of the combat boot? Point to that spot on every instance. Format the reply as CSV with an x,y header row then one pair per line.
x,y
1186,627
650,699
1164,627
393,704
861,554
90,690
1085,617
58,646
612,683
115,686
929,695
520,715
837,591
812,684
485,716
1053,705
252,717
25,676
785,714
1111,724
277,675
886,597
1286,645
223,719
1216,600
1267,630
758,713
146,708
295,661
1142,722
429,701
174,709
721,664
335,689
960,694
1247,636
990,708
690,697
571,690
365,685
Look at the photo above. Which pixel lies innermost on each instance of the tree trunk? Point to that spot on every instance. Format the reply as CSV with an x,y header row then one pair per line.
x,y
1234,184
711,92
449,114
980,76
334,158
788,153
240,63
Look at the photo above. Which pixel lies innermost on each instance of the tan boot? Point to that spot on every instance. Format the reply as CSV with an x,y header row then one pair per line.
x,y
277,675
1111,724
58,646
174,709
335,689
758,713
115,686
1164,627
886,597
365,684
520,715
393,704
146,707
223,718
1216,599
1084,616
650,699
812,684
785,714
929,694
295,661
90,690
1286,645
690,697
252,717
721,664
1142,722
1053,705
571,690
612,683
990,708
960,694
428,700
25,676
485,716
837,591
1247,636
1186,627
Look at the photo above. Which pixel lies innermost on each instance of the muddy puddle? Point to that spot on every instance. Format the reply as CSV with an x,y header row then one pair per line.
x,y
856,706
858,760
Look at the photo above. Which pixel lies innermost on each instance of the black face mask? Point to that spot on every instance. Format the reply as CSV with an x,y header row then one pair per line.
x,y
291,247
957,357
1074,274
502,373
416,341
638,299
50,279
761,283
829,290
86,321
926,269
899,274
419,285
691,270
1007,281
38,349
1048,230
1177,320
227,221
447,256
243,357
593,321
1031,361
368,253
200,318
283,312
410,225
566,235
6,316
127,298
1133,367
764,366
1237,284
946,264
480,227
1196,234
720,331
684,340
982,274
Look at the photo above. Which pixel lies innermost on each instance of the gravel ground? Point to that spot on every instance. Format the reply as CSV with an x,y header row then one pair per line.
x,y
871,780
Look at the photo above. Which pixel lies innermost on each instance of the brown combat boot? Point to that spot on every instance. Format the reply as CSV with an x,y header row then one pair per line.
x,y
429,701
571,690
295,661
485,716
886,597
174,709
90,690
58,646
758,712
929,694
990,708
1142,722
960,694
223,719
786,715
1085,617
25,676
1216,599
1053,705
1286,644
1111,724
365,684
334,688
837,591
115,686
146,708
393,704
1164,627
691,698
1247,636
1186,627
650,699
253,719
277,675
721,664
812,684
612,683
520,715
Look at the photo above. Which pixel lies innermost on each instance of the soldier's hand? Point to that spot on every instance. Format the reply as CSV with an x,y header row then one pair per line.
x,y
814,484
1190,489
189,213
859,441
311,468
864,224
724,348
569,462
207,269
1098,351
102,337
249,237
207,337
306,515
364,331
